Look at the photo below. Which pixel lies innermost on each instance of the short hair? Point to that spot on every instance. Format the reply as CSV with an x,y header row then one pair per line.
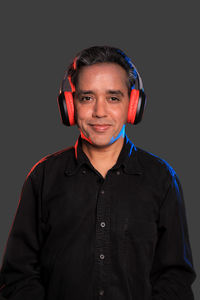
x,y
101,54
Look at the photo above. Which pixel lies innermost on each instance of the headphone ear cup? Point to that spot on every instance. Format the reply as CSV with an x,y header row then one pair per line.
x,y
66,107
136,106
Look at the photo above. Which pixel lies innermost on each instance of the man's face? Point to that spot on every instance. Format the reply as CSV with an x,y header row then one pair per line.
x,y
101,98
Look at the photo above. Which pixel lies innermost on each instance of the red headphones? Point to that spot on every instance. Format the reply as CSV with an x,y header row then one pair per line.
x,y
137,101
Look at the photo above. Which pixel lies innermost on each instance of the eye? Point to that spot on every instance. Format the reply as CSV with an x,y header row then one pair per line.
x,y
114,99
85,98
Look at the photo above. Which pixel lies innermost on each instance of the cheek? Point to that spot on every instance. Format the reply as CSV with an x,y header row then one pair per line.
x,y
82,113
120,114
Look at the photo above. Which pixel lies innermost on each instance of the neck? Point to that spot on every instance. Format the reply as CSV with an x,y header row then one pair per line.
x,y
105,155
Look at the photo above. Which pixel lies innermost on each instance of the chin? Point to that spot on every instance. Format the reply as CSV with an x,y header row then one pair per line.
x,y
103,142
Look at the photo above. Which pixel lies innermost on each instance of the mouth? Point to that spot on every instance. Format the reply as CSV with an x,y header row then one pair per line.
x,y
100,127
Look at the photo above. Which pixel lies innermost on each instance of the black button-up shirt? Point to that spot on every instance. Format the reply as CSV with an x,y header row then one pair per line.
x,y
79,236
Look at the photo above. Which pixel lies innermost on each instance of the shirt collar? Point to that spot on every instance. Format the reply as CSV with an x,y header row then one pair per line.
x,y
128,158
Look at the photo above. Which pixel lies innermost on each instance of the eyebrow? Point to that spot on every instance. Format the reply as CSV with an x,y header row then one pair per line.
x,y
113,92
116,92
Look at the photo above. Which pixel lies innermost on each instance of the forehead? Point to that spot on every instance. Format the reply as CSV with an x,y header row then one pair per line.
x,y
102,73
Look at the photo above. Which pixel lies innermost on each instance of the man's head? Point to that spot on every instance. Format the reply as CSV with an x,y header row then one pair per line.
x,y
102,77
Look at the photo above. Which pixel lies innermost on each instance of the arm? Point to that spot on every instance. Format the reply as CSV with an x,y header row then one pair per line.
x,y
20,270
173,273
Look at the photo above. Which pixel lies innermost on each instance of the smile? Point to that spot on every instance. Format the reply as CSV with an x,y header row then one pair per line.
x,y
100,128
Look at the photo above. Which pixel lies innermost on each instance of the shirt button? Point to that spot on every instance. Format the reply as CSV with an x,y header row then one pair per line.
x,y
84,171
102,192
101,292
118,172
102,256
103,224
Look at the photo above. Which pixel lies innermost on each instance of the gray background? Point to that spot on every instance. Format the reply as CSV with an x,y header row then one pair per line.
x,y
38,41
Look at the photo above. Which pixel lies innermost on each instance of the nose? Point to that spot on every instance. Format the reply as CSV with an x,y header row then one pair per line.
x,y
99,110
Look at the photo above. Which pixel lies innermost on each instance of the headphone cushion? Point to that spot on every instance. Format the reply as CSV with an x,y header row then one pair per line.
x,y
133,104
70,107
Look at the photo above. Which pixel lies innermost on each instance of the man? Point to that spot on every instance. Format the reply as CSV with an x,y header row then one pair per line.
x,y
103,219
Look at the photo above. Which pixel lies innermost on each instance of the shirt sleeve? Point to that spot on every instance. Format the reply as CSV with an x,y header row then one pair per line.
x,y
20,270
173,273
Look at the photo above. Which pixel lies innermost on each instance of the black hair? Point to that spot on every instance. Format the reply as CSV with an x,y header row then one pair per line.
x,y
101,54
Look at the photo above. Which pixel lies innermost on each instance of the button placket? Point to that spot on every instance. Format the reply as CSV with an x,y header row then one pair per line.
x,y
102,233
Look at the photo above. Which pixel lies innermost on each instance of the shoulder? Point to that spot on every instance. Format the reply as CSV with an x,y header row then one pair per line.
x,y
148,162
155,167
152,160
158,172
52,160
